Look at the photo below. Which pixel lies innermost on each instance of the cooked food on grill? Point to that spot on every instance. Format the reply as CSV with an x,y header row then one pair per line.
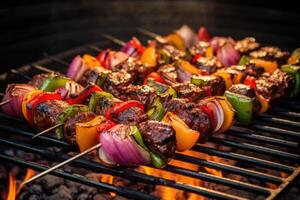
x,y
143,103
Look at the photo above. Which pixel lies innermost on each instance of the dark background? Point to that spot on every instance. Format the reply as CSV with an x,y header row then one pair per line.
x,y
30,28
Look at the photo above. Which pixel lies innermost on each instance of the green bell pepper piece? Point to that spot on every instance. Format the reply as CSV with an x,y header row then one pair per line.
x,y
54,82
101,78
96,96
244,60
294,71
201,81
69,111
162,89
156,160
243,106
156,110
164,57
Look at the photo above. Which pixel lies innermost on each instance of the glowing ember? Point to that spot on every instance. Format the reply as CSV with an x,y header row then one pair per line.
x,y
13,190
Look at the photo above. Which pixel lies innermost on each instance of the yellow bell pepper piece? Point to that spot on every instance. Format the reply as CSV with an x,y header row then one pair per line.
x,y
264,103
186,66
86,133
149,56
269,66
209,53
90,61
186,138
176,40
226,76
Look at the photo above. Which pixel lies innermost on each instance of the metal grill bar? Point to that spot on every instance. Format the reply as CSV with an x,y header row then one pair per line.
x,y
280,131
124,191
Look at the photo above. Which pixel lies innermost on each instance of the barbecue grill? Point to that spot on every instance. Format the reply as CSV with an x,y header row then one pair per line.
x,y
263,154
271,143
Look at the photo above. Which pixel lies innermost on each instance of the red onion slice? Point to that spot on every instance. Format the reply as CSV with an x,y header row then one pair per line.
x,y
228,56
183,76
188,35
218,114
76,68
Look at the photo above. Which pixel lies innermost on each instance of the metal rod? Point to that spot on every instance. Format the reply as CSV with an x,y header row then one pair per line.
x,y
56,59
62,164
47,130
41,68
21,73
4,102
148,33
114,39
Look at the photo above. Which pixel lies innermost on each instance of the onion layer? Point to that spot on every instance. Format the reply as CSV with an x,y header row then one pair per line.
x,y
15,94
76,68
188,35
227,55
119,146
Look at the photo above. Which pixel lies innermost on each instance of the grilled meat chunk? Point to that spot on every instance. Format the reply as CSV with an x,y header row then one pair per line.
x,y
216,83
199,48
69,126
45,114
103,104
271,53
38,79
242,89
208,65
189,91
275,86
91,75
142,93
159,137
246,45
190,113
130,116
116,81
168,73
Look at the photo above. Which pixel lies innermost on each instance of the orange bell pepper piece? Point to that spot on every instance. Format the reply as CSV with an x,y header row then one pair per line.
x,y
264,103
186,138
86,133
226,76
269,66
209,53
26,100
186,66
149,56
90,61
229,114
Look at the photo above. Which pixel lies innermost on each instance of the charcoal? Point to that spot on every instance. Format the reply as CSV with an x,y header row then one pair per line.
x,y
62,192
49,182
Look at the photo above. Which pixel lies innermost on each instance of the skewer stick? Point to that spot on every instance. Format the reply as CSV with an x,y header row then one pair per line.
x,y
1,94
97,49
20,73
41,68
4,102
153,35
114,39
62,164
56,59
47,130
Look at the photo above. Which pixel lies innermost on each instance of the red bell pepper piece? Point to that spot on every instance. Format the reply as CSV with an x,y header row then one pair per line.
x,y
120,107
210,114
154,76
203,34
104,58
250,80
137,45
84,94
105,126
42,97
195,58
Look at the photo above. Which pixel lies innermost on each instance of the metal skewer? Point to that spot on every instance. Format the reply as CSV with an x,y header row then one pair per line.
x,y
47,130
41,68
114,39
20,73
4,102
62,164
153,35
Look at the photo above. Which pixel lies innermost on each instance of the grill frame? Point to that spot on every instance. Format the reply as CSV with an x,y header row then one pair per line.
x,y
267,123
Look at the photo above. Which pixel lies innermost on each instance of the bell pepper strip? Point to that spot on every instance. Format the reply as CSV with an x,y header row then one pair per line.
x,y
120,107
81,97
104,58
154,76
226,76
176,40
206,109
250,81
264,103
105,126
209,53
137,45
54,82
87,133
91,61
156,160
229,114
162,90
38,99
243,106
186,66
269,66
26,100
186,138
69,111
96,96
156,110
294,71
195,58
244,60
149,56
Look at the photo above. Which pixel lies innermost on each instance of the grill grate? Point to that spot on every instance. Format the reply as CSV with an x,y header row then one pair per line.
x,y
272,143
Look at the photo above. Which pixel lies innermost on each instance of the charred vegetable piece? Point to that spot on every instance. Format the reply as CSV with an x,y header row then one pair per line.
x,y
69,111
243,105
229,114
154,76
96,96
149,56
294,71
244,60
81,97
162,89
156,110
54,82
